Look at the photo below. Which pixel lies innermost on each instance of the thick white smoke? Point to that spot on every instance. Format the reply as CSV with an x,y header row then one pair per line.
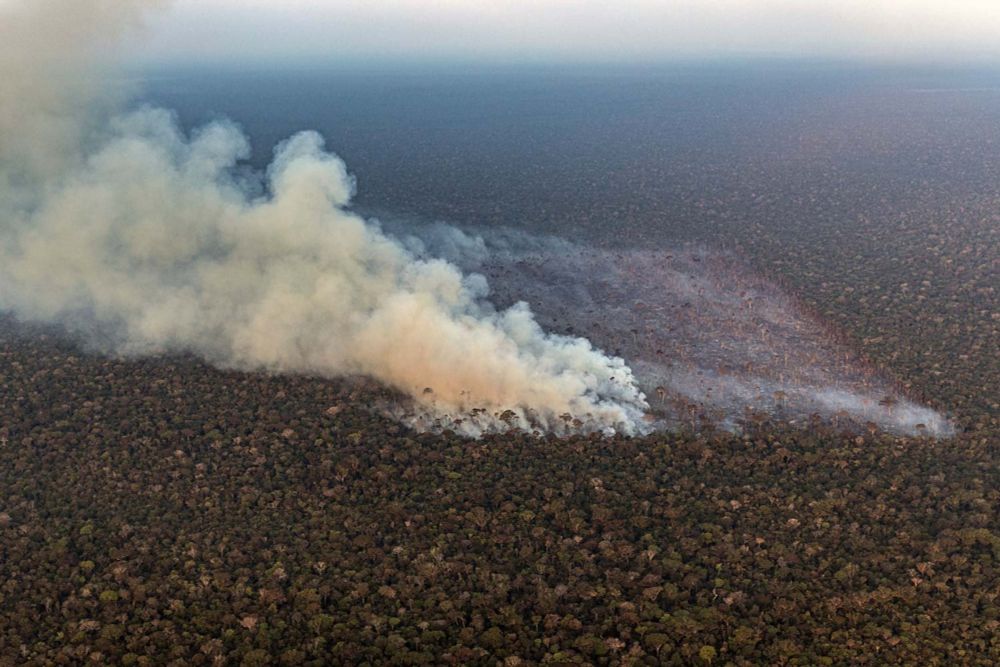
x,y
120,224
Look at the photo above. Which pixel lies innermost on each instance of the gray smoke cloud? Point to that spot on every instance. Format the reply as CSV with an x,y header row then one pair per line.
x,y
120,225
52,54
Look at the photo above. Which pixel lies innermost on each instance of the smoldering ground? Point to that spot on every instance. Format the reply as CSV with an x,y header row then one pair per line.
x,y
710,341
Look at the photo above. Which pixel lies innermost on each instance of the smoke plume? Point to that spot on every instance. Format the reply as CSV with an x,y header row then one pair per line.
x,y
144,240
120,226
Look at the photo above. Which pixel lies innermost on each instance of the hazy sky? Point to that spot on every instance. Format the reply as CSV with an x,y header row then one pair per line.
x,y
575,29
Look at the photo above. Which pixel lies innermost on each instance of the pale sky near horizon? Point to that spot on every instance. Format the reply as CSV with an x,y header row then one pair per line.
x,y
589,30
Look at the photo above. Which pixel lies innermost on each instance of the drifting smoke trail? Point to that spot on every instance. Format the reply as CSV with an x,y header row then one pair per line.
x,y
121,226
710,342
